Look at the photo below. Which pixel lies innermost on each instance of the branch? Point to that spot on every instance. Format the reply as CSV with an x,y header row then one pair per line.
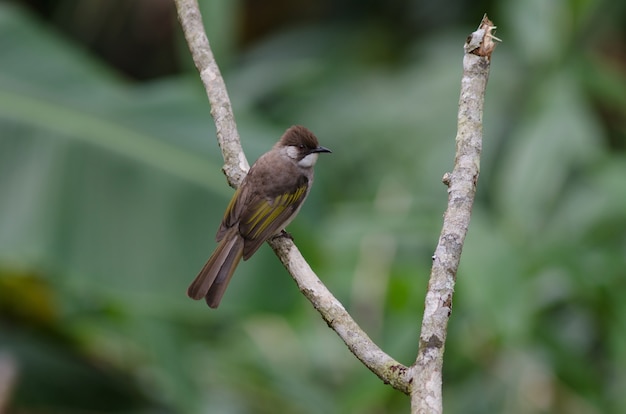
x,y
426,392
338,319
331,310
235,163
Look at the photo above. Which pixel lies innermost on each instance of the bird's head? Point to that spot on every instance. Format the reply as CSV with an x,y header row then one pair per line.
x,y
301,145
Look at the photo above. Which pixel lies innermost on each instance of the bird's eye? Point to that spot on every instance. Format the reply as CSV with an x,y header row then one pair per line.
x,y
301,146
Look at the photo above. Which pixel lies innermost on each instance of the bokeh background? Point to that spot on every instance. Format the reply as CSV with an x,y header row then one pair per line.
x,y
111,193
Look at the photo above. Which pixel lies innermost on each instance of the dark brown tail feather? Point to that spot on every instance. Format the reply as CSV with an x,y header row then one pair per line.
x,y
218,287
218,269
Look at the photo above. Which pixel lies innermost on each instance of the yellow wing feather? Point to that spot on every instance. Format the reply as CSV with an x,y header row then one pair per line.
x,y
266,214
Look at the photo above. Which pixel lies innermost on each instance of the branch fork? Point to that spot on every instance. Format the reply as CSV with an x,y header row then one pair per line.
x,y
422,380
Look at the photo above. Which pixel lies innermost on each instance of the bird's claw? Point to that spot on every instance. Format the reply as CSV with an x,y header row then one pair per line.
x,y
284,234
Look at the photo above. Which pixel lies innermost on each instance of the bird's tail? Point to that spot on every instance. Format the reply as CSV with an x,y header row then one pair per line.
x,y
213,279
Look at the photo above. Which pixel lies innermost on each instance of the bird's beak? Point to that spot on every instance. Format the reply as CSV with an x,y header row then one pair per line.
x,y
320,149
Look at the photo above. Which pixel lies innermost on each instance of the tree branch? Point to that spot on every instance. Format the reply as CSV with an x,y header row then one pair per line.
x,y
338,319
426,392
331,310
235,163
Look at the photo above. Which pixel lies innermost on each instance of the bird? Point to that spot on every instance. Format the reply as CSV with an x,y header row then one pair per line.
x,y
268,199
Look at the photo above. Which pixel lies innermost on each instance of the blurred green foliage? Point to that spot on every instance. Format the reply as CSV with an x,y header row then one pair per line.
x,y
111,191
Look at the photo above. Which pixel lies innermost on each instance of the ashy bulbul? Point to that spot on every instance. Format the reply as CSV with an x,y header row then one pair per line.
x,y
267,200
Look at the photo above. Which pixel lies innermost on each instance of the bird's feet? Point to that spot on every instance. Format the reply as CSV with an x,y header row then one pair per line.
x,y
284,234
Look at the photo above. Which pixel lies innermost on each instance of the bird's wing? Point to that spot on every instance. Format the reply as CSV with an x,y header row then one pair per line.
x,y
234,210
264,217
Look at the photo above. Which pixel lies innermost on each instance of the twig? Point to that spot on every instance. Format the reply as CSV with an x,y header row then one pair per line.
x,y
385,367
426,391
235,163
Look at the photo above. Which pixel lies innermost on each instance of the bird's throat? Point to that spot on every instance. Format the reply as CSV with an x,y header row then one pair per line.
x,y
309,160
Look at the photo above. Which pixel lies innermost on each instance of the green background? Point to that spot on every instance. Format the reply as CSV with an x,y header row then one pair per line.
x,y
111,193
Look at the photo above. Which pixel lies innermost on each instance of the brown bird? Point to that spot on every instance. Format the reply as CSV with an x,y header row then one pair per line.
x,y
269,197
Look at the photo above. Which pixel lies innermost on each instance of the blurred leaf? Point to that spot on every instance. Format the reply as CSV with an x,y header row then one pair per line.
x,y
53,376
559,137
111,194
